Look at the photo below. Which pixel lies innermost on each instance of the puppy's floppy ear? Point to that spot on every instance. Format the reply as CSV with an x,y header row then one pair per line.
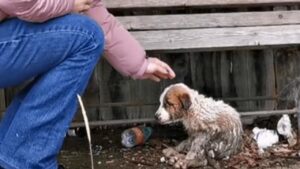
x,y
185,100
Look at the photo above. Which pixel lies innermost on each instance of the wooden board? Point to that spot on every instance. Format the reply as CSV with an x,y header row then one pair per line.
x,y
216,20
267,79
216,39
287,74
192,3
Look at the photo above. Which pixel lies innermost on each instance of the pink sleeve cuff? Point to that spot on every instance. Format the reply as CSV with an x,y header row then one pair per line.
x,y
141,73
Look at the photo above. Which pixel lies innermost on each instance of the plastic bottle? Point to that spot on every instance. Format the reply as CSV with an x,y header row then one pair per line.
x,y
136,136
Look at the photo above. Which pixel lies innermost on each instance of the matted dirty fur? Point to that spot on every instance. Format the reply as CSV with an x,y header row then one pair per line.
x,y
214,128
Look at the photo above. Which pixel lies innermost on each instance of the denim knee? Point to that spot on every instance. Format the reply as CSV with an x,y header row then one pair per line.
x,y
88,26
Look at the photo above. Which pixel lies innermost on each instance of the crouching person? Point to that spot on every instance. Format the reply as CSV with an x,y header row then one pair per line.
x,y
57,44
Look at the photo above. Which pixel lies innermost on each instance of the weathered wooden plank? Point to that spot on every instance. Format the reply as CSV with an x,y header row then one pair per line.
x,y
104,71
192,3
226,74
266,78
247,73
189,21
114,88
205,73
287,74
243,71
214,39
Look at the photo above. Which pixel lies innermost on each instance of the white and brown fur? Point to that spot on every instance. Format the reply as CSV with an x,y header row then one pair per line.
x,y
214,128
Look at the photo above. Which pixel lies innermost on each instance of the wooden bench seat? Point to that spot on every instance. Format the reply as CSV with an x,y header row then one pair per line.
x,y
215,31
211,31
112,4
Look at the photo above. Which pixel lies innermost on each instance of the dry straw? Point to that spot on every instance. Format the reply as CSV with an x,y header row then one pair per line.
x,y
87,127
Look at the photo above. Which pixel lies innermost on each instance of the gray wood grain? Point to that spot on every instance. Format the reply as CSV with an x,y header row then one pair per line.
x,y
287,71
267,79
244,78
216,39
189,21
187,3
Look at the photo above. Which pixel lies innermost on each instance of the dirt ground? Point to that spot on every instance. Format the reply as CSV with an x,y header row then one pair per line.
x,y
109,153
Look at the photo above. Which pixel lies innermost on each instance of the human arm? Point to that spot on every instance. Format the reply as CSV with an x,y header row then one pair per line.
x,y
124,52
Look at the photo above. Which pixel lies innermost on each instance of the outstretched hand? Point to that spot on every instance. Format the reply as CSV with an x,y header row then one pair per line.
x,y
158,70
82,5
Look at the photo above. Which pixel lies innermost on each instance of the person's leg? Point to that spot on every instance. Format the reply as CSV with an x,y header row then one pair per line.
x,y
60,55
10,112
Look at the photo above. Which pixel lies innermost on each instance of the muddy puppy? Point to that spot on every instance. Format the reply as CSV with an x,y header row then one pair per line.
x,y
214,128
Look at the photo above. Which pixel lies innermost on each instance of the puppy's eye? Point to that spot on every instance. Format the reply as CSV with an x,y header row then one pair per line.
x,y
168,103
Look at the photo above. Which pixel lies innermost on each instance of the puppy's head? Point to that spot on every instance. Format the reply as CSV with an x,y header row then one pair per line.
x,y
175,102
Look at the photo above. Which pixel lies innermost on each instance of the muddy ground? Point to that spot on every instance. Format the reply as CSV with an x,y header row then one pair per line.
x,y
109,153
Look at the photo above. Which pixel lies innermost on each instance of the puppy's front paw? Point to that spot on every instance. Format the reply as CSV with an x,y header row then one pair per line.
x,y
181,164
169,152
173,160
184,163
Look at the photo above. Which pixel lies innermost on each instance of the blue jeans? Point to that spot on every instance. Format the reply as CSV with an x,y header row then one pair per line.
x,y
59,55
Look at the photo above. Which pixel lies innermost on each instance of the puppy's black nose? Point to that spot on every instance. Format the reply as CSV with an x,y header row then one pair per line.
x,y
156,117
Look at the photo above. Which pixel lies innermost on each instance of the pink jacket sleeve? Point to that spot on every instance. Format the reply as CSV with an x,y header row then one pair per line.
x,y
122,51
36,10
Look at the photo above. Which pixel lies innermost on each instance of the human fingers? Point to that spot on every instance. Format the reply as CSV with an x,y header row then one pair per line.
x,y
154,65
161,75
82,5
83,9
153,78
86,5
157,70
167,69
171,73
89,2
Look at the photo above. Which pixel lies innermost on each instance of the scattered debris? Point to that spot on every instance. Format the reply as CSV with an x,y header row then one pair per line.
x,y
97,149
110,162
284,128
162,159
265,138
71,133
139,162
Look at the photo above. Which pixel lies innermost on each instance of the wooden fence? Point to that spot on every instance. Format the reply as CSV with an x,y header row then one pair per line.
x,y
222,74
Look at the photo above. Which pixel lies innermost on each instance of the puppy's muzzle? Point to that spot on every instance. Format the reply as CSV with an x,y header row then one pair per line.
x,y
157,117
